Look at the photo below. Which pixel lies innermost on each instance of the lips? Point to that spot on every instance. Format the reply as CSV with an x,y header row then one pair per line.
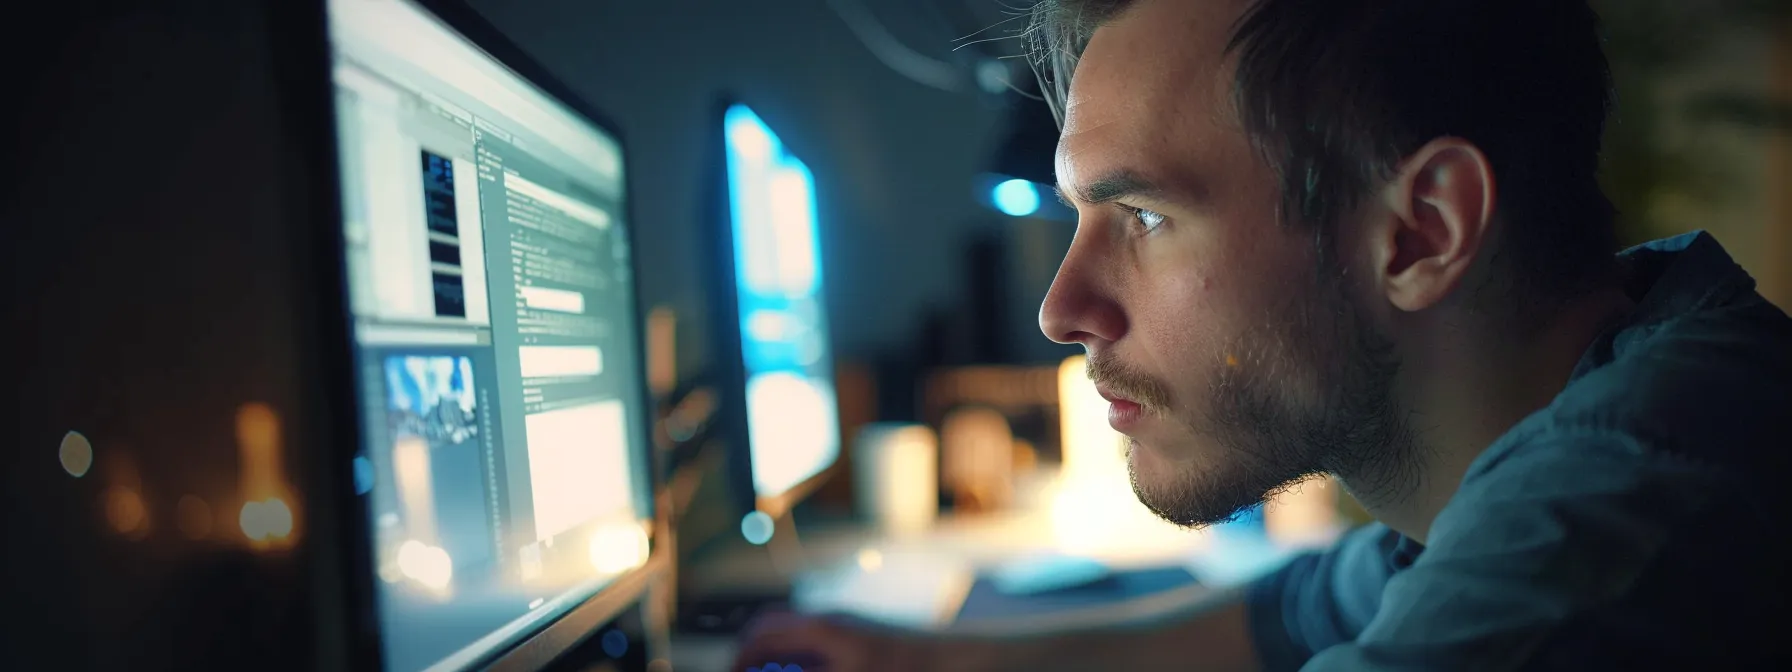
x,y
1109,394
1123,413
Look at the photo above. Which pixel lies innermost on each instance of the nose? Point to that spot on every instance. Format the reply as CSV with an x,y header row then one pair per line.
x,y
1081,306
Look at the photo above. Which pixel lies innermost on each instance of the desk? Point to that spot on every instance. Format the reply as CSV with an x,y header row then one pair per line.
x,y
921,581
702,653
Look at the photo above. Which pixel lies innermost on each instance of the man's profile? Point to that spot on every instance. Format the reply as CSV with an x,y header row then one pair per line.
x,y
1366,239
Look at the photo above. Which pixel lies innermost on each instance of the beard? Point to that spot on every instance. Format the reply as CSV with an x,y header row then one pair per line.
x,y
1308,391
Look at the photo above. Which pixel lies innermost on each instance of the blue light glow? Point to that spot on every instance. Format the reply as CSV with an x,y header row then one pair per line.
x,y
792,430
363,475
756,527
1017,198
615,643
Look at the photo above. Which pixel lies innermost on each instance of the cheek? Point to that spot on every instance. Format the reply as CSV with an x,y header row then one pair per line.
x,y
1180,316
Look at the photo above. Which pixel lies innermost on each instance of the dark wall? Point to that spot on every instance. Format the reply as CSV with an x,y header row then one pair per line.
x,y
894,159
170,223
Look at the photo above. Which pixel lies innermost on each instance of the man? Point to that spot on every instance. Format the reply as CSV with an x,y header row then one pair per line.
x,y
1365,239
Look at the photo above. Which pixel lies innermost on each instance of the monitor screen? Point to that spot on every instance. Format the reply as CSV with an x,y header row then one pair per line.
x,y
792,423
505,457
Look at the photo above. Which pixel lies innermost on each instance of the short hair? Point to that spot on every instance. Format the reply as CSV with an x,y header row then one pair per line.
x,y
1334,93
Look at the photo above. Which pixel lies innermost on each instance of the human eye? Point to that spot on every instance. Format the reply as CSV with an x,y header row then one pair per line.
x,y
1149,220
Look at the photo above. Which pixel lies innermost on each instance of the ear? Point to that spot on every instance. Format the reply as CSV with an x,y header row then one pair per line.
x,y
1440,211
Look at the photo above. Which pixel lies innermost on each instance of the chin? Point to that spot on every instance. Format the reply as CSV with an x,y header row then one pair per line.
x,y
1168,457
1147,465
1191,493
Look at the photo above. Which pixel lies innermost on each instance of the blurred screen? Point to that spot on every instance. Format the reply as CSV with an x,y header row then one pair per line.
x,y
792,423
494,321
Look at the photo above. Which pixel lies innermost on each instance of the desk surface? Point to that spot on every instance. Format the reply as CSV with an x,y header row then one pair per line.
x,y
702,652
921,580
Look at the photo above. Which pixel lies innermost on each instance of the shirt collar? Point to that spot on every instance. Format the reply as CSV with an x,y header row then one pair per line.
x,y
1406,551
1671,278
1682,274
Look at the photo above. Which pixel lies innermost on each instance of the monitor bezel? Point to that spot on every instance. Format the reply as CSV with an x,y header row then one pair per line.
x,y
731,367
357,564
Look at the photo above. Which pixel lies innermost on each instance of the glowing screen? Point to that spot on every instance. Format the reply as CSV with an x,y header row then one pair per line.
x,y
493,300
792,423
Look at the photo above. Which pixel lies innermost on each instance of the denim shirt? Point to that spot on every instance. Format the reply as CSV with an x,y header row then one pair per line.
x,y
1634,522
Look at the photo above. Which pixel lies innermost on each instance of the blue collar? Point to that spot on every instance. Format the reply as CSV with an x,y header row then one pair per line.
x,y
1670,278
1406,551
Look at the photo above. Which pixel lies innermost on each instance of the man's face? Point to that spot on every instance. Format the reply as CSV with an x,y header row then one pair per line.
x,y
1234,360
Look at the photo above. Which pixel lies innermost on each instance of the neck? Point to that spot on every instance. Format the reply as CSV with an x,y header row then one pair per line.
x,y
1463,396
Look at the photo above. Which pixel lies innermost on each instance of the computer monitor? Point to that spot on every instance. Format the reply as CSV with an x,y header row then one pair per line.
x,y
505,460
776,359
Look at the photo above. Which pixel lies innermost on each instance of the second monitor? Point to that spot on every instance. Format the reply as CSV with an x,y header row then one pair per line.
x,y
777,363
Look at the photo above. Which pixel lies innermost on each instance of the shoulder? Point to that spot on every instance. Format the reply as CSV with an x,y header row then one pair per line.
x,y
1712,388
1632,517
1577,556
1664,458
1671,418
1587,556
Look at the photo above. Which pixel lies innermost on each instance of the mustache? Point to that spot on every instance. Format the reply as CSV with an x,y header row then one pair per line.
x,y
1119,379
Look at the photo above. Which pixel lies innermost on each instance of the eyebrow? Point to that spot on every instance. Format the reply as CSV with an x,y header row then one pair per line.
x,y
1112,187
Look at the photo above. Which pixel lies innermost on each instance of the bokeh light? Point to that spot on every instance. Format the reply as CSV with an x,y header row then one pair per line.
x,y
363,475
615,643
756,527
126,512
426,564
266,520
1016,197
76,454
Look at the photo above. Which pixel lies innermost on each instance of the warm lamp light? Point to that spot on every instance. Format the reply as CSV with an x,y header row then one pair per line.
x,y
1095,510
1093,451
1306,514
269,515
123,501
977,457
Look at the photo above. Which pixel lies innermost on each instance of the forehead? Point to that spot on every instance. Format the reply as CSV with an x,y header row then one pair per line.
x,y
1157,76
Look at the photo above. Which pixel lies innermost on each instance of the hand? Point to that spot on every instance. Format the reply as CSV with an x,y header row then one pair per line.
x,y
832,643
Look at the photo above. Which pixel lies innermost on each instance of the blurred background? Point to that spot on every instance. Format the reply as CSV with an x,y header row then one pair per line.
x,y
933,461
